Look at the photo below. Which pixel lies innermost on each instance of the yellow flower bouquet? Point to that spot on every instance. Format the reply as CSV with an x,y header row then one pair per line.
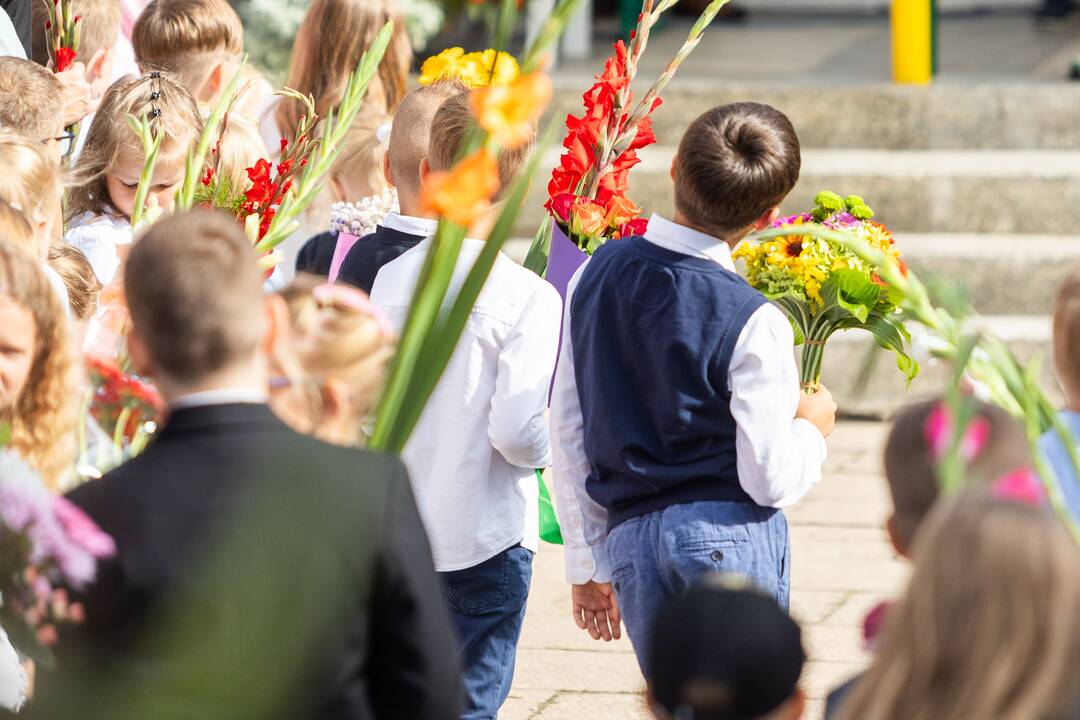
x,y
823,287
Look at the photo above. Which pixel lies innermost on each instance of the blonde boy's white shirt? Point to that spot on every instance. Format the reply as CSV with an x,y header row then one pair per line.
x,y
779,457
472,454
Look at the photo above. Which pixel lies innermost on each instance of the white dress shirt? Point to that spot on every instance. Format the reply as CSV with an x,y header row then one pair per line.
x,y
99,238
206,398
471,456
424,227
779,457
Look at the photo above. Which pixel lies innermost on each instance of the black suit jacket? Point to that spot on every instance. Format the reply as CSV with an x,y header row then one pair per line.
x,y
259,574
371,253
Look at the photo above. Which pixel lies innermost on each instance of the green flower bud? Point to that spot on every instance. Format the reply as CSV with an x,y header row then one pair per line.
x,y
861,212
829,200
820,214
853,201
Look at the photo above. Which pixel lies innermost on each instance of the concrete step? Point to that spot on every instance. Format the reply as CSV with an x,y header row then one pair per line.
x,y
944,116
998,274
866,382
984,191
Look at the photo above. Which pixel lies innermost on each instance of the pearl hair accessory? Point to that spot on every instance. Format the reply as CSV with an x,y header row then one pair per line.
x,y
361,218
382,133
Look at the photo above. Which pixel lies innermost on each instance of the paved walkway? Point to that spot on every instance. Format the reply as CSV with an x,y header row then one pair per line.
x,y
842,567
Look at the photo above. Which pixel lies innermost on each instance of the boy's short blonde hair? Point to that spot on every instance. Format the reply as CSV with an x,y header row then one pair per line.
x,y
30,181
410,134
449,130
241,147
30,99
79,278
1067,334
186,37
15,229
100,28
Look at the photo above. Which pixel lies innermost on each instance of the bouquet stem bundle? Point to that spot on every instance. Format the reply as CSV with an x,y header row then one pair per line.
x,y
63,31
1011,385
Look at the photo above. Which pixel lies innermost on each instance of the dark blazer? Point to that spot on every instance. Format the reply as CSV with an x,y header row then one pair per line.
x,y
260,574
371,253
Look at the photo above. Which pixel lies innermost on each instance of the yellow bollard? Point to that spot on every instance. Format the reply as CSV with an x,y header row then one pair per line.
x,y
912,41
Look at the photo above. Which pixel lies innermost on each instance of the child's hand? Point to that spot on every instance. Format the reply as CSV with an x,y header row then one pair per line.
x,y
76,97
819,408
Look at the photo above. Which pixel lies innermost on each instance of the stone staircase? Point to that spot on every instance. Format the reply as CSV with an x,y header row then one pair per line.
x,y
980,183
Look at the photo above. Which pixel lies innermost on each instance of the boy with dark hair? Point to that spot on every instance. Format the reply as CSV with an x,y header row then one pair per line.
x,y
410,136
722,651
679,425
472,455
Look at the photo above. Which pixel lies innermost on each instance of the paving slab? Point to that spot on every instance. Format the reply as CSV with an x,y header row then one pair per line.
x,y
842,567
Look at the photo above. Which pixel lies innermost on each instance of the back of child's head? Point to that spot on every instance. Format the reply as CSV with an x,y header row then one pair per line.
x,y
336,333
79,279
195,294
30,99
171,112
187,38
16,230
41,414
410,134
995,444
735,163
99,28
990,624
31,183
331,39
359,166
450,129
1067,336
724,652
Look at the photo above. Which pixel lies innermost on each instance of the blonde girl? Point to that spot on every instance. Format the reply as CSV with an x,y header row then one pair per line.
x,y
332,363
240,148
102,196
356,199
331,39
990,624
36,373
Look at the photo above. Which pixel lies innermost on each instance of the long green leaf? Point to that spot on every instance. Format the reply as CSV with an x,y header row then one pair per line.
x,y
440,344
537,259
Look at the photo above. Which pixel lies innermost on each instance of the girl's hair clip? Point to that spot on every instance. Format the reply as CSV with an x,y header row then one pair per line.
x,y
350,297
155,112
1021,486
156,95
156,75
938,432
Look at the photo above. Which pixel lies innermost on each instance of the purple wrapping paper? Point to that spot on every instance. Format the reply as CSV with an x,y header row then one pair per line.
x,y
564,259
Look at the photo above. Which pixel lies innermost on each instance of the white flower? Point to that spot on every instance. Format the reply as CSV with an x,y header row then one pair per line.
x,y
361,218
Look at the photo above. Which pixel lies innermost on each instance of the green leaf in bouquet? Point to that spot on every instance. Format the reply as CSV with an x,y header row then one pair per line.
x,y
853,291
891,334
798,313
5,434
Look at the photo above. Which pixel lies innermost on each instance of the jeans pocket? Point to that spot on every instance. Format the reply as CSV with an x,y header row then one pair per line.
x,y
723,554
622,574
494,583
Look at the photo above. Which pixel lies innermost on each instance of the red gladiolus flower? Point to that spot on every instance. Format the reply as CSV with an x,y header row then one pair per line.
x,y
262,190
65,57
208,177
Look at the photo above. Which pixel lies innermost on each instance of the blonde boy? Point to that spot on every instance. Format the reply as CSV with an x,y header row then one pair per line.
x,y
30,101
201,42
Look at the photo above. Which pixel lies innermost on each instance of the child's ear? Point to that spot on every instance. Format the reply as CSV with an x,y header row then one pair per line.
x,y
336,404
425,170
277,323
100,68
794,708
767,218
387,173
672,171
141,360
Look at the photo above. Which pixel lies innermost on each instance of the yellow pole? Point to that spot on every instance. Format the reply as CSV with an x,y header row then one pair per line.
x,y
912,41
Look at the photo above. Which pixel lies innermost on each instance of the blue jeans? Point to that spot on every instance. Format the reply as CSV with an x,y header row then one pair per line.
x,y
658,556
487,607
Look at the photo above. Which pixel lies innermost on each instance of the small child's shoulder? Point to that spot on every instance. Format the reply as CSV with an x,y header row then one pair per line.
x,y
98,228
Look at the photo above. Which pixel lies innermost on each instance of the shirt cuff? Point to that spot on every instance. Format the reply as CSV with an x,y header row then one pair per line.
x,y
802,426
587,564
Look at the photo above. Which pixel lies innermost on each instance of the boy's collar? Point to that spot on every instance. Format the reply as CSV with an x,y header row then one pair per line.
x,y
688,241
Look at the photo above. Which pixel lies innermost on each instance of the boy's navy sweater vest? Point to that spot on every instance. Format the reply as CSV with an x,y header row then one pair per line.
x,y
653,332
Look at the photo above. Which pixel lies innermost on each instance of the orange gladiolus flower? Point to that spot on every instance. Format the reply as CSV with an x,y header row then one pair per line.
x,y
464,193
508,112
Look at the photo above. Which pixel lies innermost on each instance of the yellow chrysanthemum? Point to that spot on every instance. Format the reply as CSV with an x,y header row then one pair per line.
x,y
446,64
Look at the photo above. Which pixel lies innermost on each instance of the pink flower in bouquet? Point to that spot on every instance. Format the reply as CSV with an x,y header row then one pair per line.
x,y
561,205
633,228
81,530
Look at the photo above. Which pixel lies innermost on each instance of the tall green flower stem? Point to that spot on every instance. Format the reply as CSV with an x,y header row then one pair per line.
x,y
151,144
435,323
212,130
333,130
1010,385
